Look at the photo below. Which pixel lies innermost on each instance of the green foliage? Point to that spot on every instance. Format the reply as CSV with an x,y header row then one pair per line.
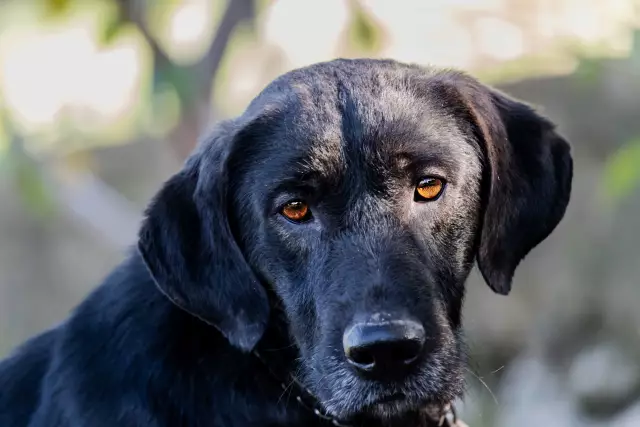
x,y
26,176
16,165
621,172
163,112
5,144
365,34
32,189
589,71
57,7
110,24
181,80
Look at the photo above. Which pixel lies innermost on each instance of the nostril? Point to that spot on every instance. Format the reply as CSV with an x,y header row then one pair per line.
x,y
387,353
406,351
361,357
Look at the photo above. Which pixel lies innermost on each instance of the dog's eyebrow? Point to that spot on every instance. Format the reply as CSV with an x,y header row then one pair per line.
x,y
416,161
297,182
303,181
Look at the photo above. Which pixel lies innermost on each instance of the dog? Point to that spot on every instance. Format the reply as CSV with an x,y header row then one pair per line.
x,y
306,266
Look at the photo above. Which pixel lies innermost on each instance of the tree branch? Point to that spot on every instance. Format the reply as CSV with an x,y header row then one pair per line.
x,y
237,12
133,11
92,201
196,98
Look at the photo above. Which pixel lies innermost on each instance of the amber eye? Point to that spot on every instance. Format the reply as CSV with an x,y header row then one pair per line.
x,y
429,188
296,211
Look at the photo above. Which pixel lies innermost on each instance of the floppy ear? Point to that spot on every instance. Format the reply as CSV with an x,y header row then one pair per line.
x,y
527,182
189,249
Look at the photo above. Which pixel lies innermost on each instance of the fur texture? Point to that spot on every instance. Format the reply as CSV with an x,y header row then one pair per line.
x,y
166,340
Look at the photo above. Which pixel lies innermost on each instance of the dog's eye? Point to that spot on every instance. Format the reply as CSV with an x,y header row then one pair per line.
x,y
429,188
296,211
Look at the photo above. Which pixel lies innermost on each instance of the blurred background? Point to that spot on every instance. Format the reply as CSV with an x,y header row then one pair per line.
x,y
101,100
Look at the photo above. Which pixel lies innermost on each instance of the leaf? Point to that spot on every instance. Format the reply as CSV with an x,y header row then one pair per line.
x,y
364,33
621,171
56,7
110,27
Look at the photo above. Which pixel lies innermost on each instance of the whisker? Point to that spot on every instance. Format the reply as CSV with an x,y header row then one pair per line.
x,y
279,348
284,391
497,370
485,385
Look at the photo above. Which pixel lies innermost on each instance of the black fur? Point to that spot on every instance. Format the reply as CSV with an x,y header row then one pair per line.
x,y
167,339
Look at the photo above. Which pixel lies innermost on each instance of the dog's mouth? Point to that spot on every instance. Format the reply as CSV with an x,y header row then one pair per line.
x,y
397,409
387,406
386,401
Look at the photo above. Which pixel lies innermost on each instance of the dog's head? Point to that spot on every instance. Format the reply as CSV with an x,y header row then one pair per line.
x,y
359,192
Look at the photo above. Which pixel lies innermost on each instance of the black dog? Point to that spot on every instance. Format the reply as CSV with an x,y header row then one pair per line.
x,y
321,239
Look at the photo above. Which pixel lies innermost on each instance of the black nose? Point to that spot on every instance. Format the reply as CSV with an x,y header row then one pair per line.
x,y
385,346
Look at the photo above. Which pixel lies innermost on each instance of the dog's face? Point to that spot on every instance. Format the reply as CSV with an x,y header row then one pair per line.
x,y
357,201
359,193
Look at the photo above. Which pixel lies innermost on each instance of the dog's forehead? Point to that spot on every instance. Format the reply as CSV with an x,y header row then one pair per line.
x,y
330,100
332,114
